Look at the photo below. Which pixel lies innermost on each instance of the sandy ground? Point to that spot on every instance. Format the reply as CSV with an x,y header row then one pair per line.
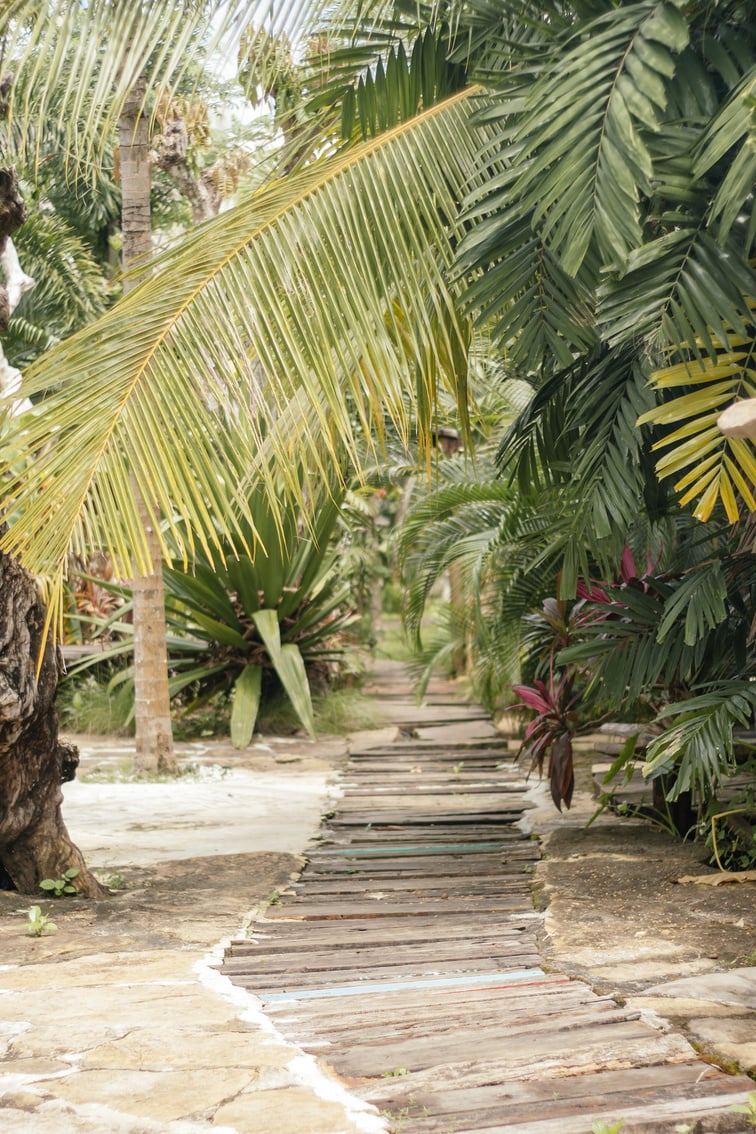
x,y
270,798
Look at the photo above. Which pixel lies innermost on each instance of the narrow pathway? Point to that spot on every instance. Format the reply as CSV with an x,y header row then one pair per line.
x,y
406,959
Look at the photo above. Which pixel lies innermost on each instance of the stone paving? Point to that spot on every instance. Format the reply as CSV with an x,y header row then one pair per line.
x,y
120,1022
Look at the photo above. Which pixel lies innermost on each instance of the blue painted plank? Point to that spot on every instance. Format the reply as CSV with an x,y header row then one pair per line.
x,y
369,987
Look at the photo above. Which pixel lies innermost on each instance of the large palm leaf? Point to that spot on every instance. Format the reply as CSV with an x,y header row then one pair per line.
x,y
301,320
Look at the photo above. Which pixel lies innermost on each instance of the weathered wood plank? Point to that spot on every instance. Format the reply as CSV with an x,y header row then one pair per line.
x,y
299,908
545,992
289,961
630,1083
388,932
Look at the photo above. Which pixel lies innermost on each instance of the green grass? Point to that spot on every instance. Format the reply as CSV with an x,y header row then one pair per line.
x,y
346,710
87,706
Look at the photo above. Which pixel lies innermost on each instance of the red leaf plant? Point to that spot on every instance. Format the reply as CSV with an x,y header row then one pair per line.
x,y
556,722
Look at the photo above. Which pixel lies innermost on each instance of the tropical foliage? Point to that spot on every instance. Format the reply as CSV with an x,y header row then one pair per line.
x,y
279,611
244,625
589,204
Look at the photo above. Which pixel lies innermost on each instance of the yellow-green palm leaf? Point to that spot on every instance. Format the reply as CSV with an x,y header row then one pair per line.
x,y
297,324
710,467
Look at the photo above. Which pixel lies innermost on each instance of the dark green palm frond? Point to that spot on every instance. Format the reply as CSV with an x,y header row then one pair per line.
x,y
730,136
400,85
683,285
493,39
697,742
70,289
457,522
518,288
680,288
676,631
625,655
580,432
582,138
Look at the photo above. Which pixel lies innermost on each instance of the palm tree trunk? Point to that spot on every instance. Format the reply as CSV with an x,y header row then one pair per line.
x,y
154,736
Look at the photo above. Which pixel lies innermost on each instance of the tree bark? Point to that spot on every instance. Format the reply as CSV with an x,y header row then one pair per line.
x,y
34,841
154,734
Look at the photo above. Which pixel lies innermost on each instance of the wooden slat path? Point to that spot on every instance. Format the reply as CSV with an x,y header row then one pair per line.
x,y
405,958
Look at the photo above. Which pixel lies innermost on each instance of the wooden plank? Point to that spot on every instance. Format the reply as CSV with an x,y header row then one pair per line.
x,y
516,1106
311,1022
300,909
423,1054
445,885
543,997
288,961
342,976
293,935
629,1082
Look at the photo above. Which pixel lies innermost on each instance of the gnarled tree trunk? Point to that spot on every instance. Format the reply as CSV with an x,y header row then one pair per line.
x,y
34,842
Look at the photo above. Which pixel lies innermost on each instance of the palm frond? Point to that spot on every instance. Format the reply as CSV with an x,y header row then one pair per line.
x,y
257,326
70,288
76,65
731,130
581,141
698,737
711,468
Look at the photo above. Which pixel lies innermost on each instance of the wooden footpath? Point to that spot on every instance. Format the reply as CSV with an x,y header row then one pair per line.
x,y
405,957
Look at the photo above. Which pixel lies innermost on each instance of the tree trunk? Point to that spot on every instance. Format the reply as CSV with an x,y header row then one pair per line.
x,y
34,842
154,735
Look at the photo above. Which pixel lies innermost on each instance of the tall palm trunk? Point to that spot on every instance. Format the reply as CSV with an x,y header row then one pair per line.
x,y
154,737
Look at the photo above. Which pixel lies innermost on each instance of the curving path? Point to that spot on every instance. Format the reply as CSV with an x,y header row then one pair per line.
x,y
405,956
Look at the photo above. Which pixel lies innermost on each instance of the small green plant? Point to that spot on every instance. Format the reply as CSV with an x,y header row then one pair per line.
x,y
396,1073
608,1127
60,887
747,1108
39,923
115,881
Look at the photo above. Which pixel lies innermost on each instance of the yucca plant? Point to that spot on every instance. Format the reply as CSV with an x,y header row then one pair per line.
x,y
250,614
239,618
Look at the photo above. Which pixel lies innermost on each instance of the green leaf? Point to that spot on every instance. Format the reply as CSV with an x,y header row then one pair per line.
x,y
288,664
246,705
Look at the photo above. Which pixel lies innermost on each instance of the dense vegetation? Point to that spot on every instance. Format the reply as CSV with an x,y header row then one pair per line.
x,y
532,222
